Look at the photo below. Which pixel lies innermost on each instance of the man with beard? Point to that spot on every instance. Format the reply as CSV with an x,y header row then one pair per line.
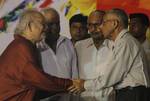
x,y
57,52
91,52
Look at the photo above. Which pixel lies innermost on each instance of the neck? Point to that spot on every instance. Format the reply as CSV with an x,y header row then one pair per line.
x,y
115,33
51,44
28,37
114,36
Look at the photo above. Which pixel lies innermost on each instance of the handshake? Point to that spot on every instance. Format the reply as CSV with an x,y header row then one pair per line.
x,y
77,87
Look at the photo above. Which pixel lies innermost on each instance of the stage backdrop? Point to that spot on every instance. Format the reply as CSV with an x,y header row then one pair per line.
x,y
11,9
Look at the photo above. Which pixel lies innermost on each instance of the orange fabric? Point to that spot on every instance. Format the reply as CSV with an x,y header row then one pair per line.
x,y
20,73
144,4
130,6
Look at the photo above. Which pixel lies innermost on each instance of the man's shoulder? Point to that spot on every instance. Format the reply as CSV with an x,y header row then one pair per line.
x,y
129,42
128,39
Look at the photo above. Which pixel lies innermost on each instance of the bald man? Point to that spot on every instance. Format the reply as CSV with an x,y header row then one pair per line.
x,y
91,53
57,52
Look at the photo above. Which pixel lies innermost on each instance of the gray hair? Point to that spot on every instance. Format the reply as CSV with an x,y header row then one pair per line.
x,y
121,14
50,10
98,12
26,18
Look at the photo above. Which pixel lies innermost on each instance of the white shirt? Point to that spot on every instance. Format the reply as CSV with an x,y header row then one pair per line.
x,y
126,65
5,40
89,58
62,64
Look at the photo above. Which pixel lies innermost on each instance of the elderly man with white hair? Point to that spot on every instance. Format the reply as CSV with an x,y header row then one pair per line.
x,y
20,72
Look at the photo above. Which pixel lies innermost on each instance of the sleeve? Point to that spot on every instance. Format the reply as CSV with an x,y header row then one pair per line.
x,y
117,66
33,76
74,68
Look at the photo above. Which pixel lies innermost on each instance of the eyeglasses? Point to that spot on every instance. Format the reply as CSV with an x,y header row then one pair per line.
x,y
109,20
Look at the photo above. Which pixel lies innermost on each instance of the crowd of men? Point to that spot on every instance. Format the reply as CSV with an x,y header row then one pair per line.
x,y
107,58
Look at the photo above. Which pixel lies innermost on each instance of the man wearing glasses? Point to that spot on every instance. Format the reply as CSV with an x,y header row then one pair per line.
x,y
127,69
91,53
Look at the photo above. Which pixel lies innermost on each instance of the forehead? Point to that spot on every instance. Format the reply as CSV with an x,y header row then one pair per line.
x,y
110,16
51,16
95,17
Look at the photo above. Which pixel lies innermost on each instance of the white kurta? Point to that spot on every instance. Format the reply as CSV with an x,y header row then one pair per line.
x,y
126,66
63,64
89,59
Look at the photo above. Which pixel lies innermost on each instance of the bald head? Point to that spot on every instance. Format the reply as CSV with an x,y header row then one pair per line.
x,y
53,24
51,14
96,16
95,20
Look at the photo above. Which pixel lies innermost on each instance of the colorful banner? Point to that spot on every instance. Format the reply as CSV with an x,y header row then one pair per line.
x,y
11,9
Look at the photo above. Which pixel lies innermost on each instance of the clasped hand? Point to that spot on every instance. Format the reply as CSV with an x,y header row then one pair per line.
x,y
77,87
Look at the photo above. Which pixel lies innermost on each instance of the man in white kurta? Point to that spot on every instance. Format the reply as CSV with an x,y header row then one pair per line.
x,y
57,52
127,68
127,54
91,53
89,59
63,62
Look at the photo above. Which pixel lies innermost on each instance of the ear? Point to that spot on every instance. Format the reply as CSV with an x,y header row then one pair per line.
x,y
116,24
30,26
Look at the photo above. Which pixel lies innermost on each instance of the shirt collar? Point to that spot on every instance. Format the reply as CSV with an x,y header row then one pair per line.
x,y
121,34
91,43
59,41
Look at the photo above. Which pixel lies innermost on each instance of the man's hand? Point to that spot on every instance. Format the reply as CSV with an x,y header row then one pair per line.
x,y
77,87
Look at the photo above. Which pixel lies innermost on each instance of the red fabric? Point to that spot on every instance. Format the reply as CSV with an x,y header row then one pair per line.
x,y
1,23
130,6
46,3
20,73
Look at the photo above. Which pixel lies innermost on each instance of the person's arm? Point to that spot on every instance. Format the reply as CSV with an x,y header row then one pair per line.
x,y
33,76
74,68
117,66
